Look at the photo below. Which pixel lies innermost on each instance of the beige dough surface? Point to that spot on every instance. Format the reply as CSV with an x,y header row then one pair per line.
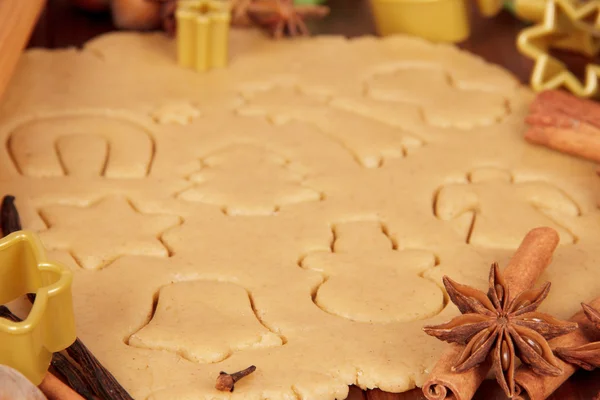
x,y
295,211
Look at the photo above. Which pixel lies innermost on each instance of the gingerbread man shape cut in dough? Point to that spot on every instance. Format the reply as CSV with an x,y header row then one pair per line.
x,y
249,180
113,228
443,104
367,280
370,141
503,210
204,322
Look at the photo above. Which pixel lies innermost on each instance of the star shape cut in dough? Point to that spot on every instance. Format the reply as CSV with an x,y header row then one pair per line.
x,y
112,228
565,25
182,113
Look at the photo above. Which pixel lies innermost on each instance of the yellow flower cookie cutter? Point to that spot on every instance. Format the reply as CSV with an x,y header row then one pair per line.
x,y
435,20
27,346
566,25
202,34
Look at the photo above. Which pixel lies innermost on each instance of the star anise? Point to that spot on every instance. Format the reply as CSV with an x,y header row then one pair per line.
x,y
503,328
282,15
239,12
588,355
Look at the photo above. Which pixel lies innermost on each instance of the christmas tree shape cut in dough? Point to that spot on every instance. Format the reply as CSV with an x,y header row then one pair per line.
x,y
204,322
443,104
367,280
249,180
504,211
368,140
112,228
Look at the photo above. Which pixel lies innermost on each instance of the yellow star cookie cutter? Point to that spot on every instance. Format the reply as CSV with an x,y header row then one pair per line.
x,y
202,34
27,346
565,25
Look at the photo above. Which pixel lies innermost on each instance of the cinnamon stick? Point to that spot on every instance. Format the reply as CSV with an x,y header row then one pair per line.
x,y
54,389
582,142
538,387
524,268
566,123
557,102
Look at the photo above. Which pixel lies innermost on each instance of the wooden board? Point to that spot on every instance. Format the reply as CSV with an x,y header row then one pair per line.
x,y
17,20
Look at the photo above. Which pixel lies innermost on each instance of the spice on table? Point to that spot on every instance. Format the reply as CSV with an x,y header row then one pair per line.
x,y
167,11
524,268
283,15
494,326
239,12
9,217
564,122
278,16
226,382
71,375
586,356
537,387
102,382
54,389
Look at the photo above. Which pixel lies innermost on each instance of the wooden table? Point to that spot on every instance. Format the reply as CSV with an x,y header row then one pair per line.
x,y
493,39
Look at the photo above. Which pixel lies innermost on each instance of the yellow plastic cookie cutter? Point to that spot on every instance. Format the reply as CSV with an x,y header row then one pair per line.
x,y
565,25
27,346
435,20
202,34
529,10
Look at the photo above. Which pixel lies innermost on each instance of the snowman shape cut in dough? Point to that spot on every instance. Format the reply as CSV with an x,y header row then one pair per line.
x,y
367,280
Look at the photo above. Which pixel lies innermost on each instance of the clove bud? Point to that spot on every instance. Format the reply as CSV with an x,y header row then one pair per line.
x,y
226,382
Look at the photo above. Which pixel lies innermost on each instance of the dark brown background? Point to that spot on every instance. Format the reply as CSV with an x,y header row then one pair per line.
x,y
493,39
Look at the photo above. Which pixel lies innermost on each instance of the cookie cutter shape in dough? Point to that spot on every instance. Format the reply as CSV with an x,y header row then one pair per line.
x,y
27,346
565,25
203,34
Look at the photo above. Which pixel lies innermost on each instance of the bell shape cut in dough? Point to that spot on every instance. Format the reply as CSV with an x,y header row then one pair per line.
x,y
204,322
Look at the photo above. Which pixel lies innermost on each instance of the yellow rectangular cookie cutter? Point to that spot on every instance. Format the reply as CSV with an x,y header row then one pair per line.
x,y
202,34
435,20
27,346
565,24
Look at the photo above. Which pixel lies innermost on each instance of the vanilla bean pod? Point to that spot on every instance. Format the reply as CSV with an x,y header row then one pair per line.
x,y
71,374
9,217
6,313
101,382
10,222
